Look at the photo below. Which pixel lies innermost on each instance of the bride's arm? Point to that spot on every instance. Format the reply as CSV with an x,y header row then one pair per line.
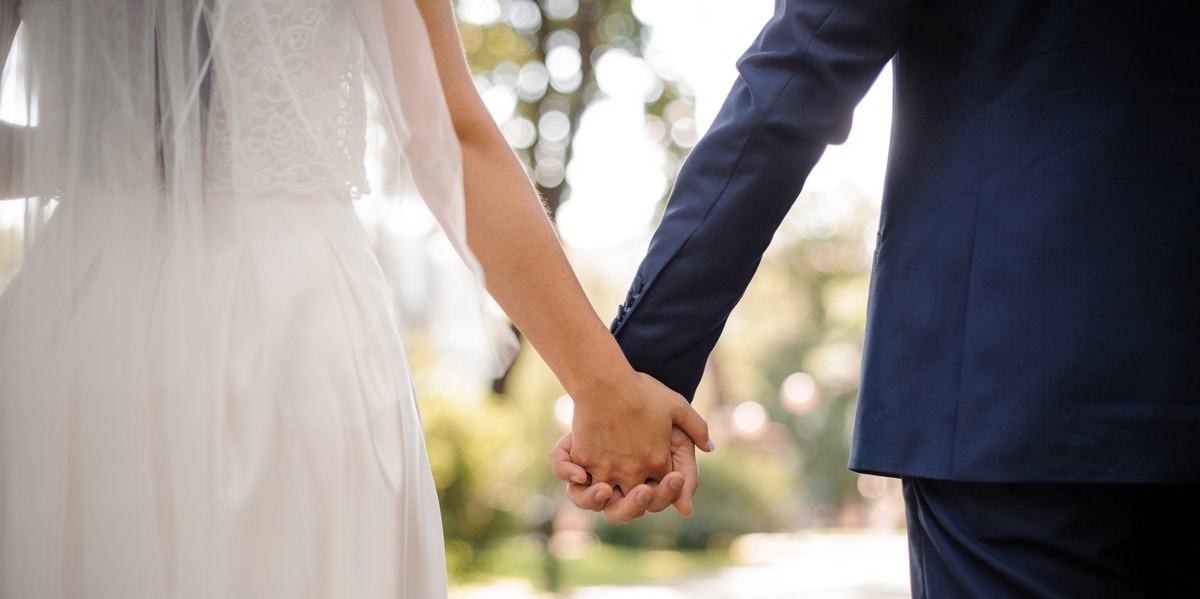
x,y
623,419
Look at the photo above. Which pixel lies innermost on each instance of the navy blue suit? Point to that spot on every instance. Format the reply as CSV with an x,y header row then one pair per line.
x,y
1034,312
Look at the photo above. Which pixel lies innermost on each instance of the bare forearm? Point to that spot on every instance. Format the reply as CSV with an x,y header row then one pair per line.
x,y
625,418
511,236
526,270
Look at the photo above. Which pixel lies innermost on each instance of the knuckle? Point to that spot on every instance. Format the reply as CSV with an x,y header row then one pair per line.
x,y
658,463
600,472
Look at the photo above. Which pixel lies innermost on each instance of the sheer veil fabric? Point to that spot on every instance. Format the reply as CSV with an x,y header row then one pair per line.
x,y
202,387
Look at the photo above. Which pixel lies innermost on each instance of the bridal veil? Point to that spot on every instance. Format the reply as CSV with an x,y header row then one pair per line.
x,y
200,377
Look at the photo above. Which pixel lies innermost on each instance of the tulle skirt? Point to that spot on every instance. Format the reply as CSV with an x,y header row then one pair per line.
x,y
224,412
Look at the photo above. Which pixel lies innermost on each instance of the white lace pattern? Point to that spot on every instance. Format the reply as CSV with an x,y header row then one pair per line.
x,y
288,107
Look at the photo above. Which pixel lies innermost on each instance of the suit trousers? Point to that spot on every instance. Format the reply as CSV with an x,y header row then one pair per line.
x,y
1068,540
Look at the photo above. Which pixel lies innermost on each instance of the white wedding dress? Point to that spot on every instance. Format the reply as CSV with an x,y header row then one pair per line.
x,y
202,387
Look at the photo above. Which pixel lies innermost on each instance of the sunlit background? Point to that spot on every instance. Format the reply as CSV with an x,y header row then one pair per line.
x,y
602,100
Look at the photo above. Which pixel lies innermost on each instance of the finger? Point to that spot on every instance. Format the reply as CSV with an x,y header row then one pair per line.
x,y
630,475
562,466
590,497
683,456
683,504
625,509
687,418
666,493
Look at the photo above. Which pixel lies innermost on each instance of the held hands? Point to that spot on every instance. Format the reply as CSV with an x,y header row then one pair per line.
x,y
632,452
676,488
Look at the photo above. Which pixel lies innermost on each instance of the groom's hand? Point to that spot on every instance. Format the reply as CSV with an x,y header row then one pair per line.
x,y
621,431
677,488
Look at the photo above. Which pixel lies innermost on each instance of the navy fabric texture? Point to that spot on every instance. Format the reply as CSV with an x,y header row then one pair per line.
x,y
1036,283
1068,540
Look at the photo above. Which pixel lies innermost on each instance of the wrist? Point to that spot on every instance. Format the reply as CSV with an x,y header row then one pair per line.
x,y
598,379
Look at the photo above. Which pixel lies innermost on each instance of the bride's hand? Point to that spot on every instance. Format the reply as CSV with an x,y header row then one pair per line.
x,y
622,433
677,488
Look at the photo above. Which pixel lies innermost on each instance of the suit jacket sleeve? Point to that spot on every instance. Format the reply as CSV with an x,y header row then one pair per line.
x,y
797,88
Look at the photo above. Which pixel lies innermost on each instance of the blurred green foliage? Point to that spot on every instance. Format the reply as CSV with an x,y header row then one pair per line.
x,y
476,468
741,491
604,564
489,454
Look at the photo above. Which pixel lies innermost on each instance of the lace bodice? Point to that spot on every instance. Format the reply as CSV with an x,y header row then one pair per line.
x,y
287,105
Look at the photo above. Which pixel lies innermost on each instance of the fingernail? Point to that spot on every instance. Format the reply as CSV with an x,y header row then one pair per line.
x,y
676,484
575,479
601,496
643,498
711,446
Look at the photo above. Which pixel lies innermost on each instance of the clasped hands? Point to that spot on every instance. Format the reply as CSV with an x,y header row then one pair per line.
x,y
632,451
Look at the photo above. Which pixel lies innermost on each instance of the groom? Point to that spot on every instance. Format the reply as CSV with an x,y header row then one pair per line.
x,y
1033,331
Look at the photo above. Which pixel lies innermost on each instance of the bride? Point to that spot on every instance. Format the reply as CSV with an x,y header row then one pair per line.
x,y
202,388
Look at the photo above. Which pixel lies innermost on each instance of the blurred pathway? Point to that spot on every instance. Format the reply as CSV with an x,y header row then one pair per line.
x,y
806,565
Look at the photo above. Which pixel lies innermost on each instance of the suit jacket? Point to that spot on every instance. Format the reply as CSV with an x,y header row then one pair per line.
x,y
1034,296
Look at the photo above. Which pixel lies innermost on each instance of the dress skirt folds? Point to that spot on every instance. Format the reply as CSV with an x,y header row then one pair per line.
x,y
283,457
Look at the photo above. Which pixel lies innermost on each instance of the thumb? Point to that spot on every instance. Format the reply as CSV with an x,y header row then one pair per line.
x,y
689,421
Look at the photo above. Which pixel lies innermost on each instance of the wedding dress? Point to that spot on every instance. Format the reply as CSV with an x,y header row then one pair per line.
x,y
202,387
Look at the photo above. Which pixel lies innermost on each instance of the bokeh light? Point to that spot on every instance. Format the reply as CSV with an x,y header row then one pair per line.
x,y
749,419
479,12
519,132
563,61
500,101
533,81
560,10
799,393
617,177
554,126
524,16
564,411
621,74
